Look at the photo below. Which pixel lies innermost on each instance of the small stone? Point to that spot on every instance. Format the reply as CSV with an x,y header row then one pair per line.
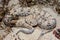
x,y
57,33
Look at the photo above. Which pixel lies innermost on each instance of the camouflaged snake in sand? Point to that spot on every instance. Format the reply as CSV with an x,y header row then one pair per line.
x,y
30,21
28,17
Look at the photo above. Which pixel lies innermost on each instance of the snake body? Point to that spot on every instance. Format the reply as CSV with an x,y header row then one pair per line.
x,y
28,17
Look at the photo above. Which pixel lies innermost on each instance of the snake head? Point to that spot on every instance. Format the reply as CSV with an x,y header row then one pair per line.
x,y
48,24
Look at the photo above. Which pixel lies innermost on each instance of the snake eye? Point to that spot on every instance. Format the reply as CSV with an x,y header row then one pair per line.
x,y
48,25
